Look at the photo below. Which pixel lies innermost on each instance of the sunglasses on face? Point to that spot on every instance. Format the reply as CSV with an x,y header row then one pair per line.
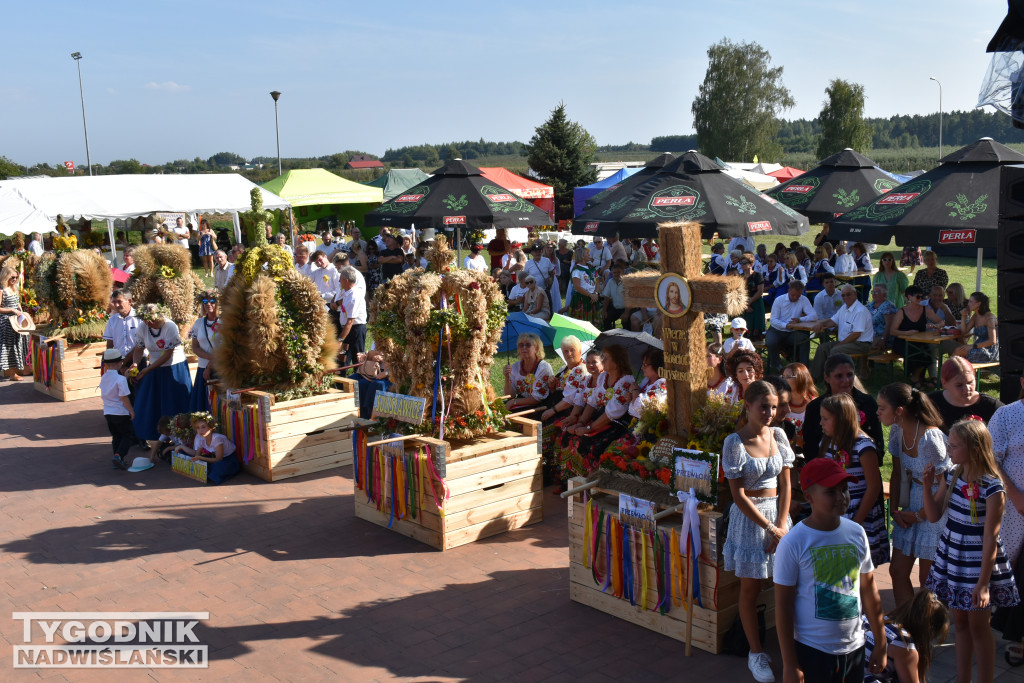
x,y
209,301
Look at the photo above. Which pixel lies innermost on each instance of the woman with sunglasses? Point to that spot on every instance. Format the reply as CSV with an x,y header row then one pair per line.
x,y
820,266
204,338
911,320
889,275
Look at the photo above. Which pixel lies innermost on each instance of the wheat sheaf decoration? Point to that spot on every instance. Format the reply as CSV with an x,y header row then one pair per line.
x,y
163,275
275,332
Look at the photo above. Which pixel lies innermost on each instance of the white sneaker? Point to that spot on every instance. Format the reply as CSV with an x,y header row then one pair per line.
x,y
760,665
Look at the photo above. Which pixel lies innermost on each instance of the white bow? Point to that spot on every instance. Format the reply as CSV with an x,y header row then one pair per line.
x,y
691,522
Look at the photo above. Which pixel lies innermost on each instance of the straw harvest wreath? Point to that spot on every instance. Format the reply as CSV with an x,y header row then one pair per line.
x,y
407,318
163,275
274,330
75,287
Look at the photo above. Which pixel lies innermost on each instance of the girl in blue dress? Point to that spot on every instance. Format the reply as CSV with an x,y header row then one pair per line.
x,y
916,441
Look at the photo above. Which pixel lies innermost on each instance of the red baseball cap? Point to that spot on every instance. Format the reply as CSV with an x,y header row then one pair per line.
x,y
824,471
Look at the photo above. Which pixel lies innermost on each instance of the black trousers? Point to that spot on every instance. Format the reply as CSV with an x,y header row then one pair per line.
x,y
356,341
828,668
122,434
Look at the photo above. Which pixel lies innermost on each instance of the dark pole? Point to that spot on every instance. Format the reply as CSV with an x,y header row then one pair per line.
x,y
77,56
277,129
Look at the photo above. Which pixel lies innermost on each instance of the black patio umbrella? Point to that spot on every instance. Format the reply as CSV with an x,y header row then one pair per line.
x,y
954,205
836,185
651,168
692,187
457,196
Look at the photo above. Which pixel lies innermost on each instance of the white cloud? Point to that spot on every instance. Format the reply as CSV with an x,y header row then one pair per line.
x,y
167,86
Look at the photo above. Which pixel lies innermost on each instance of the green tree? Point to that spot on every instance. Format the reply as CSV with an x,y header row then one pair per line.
x,y
842,119
122,166
561,153
8,168
737,106
226,159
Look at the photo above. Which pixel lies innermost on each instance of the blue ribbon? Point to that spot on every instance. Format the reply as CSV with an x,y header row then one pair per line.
x,y
437,377
627,567
355,450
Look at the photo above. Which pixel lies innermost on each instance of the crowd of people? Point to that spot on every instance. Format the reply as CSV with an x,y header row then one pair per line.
x,y
803,470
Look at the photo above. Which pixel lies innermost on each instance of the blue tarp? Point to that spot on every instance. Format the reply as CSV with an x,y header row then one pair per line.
x,y
581,194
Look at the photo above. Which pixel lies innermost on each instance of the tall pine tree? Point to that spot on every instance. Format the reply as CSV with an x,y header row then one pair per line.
x,y
561,152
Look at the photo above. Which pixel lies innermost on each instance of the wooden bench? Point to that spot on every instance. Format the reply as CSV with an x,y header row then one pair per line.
x,y
978,367
863,357
887,358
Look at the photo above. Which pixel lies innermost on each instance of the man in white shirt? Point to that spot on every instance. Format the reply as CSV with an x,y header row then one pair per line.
x,y
328,247
742,243
351,314
844,262
600,254
617,250
181,232
828,300
787,310
222,270
540,268
516,295
302,263
325,276
855,334
122,329
36,245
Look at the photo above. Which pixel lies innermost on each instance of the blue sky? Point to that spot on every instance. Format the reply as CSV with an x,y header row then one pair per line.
x,y
172,80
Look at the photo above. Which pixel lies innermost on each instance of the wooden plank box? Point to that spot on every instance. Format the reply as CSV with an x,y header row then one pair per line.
x,y
719,589
495,484
74,372
300,436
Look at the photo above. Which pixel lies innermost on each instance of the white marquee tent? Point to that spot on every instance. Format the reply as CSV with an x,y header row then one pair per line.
x,y
110,197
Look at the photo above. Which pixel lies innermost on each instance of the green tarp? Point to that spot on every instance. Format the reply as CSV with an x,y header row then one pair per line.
x,y
398,180
316,193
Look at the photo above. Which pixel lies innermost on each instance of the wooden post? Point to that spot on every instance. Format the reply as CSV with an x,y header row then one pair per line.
x,y
683,336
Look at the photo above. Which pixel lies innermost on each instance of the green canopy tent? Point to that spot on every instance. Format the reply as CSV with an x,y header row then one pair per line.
x,y
315,193
398,180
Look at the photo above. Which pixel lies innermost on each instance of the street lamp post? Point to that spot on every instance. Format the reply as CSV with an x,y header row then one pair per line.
x,y
932,78
277,129
77,56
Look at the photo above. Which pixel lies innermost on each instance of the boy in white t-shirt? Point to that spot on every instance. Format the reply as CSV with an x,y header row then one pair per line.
x,y
823,581
117,407
737,341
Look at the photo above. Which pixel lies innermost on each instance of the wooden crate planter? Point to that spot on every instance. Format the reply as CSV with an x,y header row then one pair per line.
x,y
719,588
495,484
67,372
281,439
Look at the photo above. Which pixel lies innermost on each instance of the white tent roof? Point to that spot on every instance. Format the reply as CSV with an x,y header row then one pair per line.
x,y
18,215
757,181
127,196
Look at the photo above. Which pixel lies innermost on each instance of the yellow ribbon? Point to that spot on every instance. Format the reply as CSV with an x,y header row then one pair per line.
x,y
677,570
587,521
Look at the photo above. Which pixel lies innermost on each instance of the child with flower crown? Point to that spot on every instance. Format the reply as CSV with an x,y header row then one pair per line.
x,y
214,449
970,572
844,441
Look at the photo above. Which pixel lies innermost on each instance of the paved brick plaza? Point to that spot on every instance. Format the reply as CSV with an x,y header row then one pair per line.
x,y
296,586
